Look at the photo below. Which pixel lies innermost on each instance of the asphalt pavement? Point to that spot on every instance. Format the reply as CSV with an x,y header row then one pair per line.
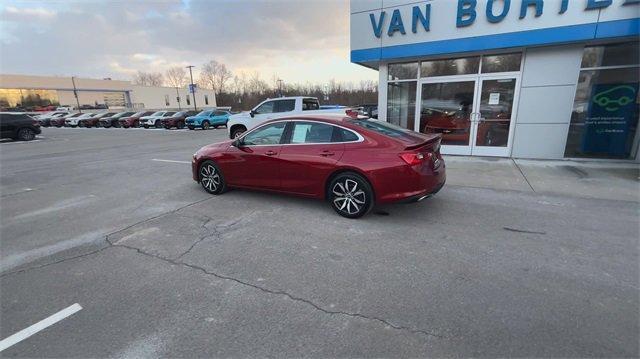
x,y
110,219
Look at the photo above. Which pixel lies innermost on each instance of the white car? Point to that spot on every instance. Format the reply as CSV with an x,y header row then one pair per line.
x,y
155,119
275,108
74,121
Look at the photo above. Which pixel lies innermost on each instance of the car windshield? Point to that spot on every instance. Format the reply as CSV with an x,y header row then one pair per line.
x,y
138,114
159,113
205,113
181,113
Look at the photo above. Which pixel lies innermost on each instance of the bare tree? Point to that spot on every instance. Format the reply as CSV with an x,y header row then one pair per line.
x,y
207,75
221,76
148,78
176,76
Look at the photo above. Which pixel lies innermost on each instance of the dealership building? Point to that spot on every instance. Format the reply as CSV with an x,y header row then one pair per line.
x,y
547,79
32,91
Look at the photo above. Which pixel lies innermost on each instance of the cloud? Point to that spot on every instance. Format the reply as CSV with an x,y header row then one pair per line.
x,y
298,40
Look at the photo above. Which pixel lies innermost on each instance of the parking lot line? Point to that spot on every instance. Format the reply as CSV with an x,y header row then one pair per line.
x,y
170,161
35,328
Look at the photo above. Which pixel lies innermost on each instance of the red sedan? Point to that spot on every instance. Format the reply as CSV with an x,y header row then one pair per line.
x,y
352,163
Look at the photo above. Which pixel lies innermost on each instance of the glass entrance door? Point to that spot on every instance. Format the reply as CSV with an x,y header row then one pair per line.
x,y
493,114
447,107
473,114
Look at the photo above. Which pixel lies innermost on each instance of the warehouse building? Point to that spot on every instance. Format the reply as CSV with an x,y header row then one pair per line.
x,y
546,79
32,91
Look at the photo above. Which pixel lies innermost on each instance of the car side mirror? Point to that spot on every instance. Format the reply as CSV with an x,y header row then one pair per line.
x,y
237,143
252,113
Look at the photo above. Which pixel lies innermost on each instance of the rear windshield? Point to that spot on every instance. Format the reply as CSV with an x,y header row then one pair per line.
x,y
386,128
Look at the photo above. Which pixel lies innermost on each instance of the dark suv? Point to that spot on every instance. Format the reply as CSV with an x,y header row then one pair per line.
x,y
133,120
19,126
114,121
177,119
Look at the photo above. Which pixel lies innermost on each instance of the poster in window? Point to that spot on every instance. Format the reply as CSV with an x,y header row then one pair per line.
x,y
610,119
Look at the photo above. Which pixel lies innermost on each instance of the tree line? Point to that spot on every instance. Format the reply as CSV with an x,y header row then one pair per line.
x,y
244,91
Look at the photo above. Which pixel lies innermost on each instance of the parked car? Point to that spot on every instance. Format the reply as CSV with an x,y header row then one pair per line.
x,y
75,121
155,119
19,126
133,120
64,108
60,121
178,119
208,118
45,118
94,121
370,110
276,108
114,120
351,162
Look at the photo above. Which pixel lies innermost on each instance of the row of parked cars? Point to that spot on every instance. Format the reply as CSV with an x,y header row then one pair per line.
x,y
148,119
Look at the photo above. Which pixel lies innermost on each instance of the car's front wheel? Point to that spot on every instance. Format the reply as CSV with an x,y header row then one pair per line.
x,y
26,134
205,125
211,178
158,124
350,195
180,125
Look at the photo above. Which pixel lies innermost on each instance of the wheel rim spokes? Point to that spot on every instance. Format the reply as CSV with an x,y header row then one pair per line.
x,y
348,198
210,177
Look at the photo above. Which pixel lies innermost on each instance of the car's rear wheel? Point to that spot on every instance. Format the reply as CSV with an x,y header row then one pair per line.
x,y
350,195
180,125
26,134
158,124
205,125
216,126
211,178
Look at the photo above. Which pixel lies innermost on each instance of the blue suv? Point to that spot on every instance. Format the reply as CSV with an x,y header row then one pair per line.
x,y
208,118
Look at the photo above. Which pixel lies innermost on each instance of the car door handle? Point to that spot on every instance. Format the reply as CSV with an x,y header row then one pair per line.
x,y
271,153
326,153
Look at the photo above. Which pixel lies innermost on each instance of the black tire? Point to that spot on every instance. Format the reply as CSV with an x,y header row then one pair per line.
x,y
205,125
211,178
116,124
145,126
350,195
26,134
237,132
191,127
180,125
158,124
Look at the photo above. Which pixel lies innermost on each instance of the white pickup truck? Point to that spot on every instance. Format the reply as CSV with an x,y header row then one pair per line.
x,y
273,108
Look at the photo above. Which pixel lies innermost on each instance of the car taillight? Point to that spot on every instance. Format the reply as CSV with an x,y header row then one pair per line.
x,y
352,113
412,158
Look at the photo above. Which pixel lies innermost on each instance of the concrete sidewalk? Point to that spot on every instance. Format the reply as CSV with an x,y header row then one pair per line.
x,y
602,180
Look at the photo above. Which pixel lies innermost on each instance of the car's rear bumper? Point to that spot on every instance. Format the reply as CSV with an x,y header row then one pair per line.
x,y
411,185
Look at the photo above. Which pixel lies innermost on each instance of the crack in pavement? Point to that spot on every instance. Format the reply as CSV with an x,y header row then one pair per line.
x,y
216,233
283,293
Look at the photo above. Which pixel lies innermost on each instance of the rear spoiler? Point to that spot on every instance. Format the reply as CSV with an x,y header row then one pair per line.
x,y
433,142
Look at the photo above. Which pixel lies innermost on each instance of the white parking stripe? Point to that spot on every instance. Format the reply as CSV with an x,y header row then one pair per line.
x,y
43,324
171,161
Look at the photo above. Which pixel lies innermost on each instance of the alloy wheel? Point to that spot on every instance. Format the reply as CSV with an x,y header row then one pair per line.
x,y
210,178
26,134
349,197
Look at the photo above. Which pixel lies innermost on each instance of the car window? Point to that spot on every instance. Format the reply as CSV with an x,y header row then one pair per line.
x,y
168,114
311,132
387,129
310,104
345,135
266,107
285,105
205,113
159,113
267,135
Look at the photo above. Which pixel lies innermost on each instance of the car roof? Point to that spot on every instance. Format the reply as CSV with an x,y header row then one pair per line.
x,y
336,119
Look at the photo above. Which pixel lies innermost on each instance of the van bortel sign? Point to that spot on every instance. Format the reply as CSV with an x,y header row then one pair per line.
x,y
468,11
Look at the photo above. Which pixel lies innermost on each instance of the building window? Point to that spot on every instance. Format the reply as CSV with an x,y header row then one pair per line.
x,y
188,100
166,100
449,67
206,99
605,109
501,63
403,71
114,99
401,103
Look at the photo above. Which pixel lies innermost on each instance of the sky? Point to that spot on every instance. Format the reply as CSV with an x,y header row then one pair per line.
x,y
297,40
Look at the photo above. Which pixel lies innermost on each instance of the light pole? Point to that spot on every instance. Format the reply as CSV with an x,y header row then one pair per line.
x,y
280,87
75,92
192,88
178,98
